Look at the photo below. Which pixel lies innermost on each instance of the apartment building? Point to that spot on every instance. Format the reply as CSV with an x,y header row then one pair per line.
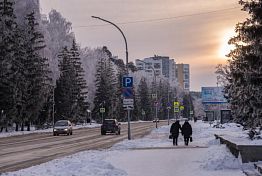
x,y
162,65
183,76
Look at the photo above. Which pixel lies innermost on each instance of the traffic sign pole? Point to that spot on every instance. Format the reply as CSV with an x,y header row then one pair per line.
x,y
128,101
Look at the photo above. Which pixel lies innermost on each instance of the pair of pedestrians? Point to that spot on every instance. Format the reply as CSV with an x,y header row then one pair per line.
x,y
186,130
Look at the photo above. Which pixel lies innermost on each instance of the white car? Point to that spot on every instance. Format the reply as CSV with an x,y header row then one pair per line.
x,y
63,127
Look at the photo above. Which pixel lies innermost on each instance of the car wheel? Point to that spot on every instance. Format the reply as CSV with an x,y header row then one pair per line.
x,y
68,134
103,133
54,134
118,132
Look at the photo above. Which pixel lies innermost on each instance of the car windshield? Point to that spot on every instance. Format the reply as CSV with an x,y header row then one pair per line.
x,y
109,122
61,123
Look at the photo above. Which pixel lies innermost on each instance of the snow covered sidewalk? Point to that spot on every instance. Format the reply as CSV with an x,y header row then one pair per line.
x,y
127,158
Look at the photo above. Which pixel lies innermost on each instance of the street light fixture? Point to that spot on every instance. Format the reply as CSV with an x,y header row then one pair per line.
x,y
128,111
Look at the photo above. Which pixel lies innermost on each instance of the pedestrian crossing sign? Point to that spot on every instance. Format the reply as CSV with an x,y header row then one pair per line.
x,y
176,104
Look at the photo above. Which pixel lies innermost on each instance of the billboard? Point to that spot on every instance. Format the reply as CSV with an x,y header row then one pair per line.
x,y
213,95
216,107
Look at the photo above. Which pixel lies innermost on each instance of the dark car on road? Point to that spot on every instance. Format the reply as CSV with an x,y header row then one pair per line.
x,y
110,126
63,127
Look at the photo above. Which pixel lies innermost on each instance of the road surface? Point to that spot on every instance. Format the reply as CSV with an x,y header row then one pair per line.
x,y
18,152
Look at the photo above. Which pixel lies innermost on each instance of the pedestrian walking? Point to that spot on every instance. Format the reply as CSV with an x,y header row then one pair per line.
x,y
186,131
174,130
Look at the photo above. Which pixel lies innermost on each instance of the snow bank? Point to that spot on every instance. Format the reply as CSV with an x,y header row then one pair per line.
x,y
218,157
49,130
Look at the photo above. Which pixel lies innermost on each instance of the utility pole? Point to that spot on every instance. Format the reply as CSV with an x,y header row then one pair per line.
x,y
128,109
168,108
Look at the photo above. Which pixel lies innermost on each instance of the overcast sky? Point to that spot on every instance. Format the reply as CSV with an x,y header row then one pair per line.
x,y
194,36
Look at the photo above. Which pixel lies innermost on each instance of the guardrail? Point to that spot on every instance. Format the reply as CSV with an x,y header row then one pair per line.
x,y
248,153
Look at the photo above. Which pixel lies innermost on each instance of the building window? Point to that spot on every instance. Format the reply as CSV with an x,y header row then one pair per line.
x,y
186,85
157,65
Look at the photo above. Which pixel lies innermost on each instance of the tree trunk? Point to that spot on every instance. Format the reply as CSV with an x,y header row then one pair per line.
x,y
16,126
22,126
28,126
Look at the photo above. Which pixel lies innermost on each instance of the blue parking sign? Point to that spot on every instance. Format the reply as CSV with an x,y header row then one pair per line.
x,y
127,81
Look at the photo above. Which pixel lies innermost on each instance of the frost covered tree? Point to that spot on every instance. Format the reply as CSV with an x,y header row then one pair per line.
x,y
58,34
8,53
37,81
245,67
143,100
81,85
71,91
107,92
64,91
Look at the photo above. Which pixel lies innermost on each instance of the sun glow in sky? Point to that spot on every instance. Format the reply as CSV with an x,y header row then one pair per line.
x,y
199,40
225,48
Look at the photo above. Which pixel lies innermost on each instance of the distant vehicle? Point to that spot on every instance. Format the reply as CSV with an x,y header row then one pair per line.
x,y
111,126
63,127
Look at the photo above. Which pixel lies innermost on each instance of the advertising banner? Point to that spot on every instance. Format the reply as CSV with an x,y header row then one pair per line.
x,y
213,95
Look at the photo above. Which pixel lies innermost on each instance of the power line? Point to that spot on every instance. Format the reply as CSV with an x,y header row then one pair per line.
x,y
160,19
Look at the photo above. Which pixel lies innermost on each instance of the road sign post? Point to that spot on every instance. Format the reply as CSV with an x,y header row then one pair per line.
x,y
128,101
102,111
176,109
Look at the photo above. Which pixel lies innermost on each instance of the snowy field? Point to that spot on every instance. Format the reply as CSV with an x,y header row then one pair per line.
x,y
152,155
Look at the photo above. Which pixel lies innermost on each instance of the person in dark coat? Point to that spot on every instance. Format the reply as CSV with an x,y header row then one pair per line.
x,y
186,132
174,130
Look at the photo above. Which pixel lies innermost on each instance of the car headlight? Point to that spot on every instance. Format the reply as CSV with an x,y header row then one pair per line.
x,y
55,130
65,129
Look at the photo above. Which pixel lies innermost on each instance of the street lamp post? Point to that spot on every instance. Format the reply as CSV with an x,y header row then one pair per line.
x,y
128,116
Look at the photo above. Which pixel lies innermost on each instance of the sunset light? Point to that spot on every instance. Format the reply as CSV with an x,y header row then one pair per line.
x,y
225,48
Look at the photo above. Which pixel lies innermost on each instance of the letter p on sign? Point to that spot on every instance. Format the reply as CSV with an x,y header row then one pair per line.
x,y
127,81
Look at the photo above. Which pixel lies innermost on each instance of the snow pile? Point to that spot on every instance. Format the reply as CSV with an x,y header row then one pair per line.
x,y
81,164
218,157
49,130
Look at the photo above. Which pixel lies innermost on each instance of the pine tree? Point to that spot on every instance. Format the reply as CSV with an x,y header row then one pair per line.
x,y
9,63
71,91
65,91
107,92
81,85
101,94
37,77
245,67
144,100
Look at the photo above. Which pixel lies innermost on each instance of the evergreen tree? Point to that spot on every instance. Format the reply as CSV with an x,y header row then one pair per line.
x,y
71,91
37,73
65,91
245,67
8,46
107,90
144,100
81,85
101,95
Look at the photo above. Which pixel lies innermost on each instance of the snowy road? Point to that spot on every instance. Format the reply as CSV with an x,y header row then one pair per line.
x,y
152,155
19,152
